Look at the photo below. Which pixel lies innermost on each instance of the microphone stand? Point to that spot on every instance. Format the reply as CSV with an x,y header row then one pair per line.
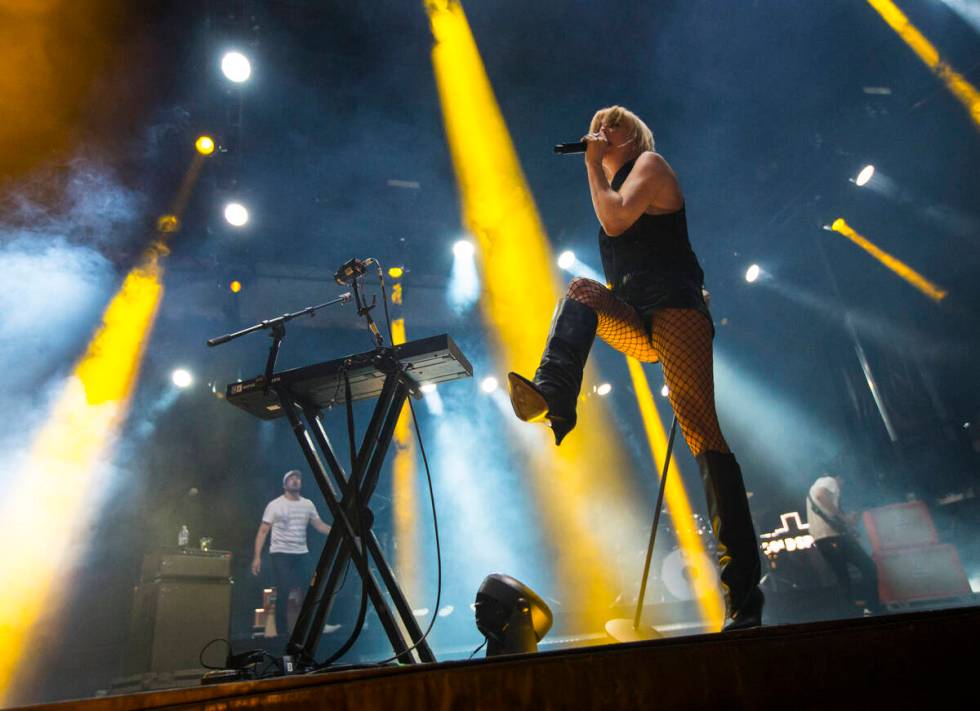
x,y
277,326
365,312
624,630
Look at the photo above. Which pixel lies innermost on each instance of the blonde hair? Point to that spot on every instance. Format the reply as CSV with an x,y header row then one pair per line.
x,y
621,116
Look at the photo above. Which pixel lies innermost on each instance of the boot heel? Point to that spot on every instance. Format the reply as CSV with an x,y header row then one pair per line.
x,y
530,405
528,402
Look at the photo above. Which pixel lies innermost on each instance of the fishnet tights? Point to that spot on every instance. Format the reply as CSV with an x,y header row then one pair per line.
x,y
681,340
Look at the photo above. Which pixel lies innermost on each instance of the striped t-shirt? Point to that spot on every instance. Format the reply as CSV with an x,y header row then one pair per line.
x,y
289,520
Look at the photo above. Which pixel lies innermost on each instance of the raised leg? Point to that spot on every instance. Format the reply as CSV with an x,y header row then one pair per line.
x,y
589,308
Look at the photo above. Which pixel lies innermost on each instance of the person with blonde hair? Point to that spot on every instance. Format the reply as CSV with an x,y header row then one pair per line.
x,y
654,309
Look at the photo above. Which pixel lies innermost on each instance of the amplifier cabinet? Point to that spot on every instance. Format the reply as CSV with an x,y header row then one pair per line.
x,y
186,563
920,573
175,616
900,526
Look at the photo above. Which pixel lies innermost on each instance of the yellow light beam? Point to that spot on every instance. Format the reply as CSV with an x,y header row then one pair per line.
x,y
585,502
404,494
955,82
708,596
60,475
934,292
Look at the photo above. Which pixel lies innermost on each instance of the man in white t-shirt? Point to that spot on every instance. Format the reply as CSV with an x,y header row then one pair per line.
x,y
833,533
287,517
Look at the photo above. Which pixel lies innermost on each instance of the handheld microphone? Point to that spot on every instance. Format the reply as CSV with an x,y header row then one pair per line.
x,y
565,149
350,270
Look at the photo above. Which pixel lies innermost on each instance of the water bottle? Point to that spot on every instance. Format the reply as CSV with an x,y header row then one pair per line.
x,y
183,536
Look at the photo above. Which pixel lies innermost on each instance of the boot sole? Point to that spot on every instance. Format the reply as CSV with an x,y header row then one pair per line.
x,y
528,403
750,616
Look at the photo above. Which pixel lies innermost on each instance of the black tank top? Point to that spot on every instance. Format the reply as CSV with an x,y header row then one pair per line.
x,y
651,265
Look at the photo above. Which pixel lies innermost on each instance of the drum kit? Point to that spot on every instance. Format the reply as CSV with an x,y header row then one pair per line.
x,y
676,577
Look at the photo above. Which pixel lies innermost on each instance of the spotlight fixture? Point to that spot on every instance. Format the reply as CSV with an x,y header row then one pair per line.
x,y
236,214
168,223
396,272
510,615
752,273
427,387
867,172
489,384
664,391
235,286
181,378
464,248
204,145
566,259
236,67
603,389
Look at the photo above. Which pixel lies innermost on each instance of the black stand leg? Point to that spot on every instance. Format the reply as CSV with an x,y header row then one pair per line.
x,y
351,538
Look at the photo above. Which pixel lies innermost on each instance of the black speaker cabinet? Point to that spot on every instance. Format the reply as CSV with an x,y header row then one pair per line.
x,y
182,602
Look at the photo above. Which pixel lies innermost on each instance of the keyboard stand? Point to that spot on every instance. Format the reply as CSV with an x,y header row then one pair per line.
x,y
351,537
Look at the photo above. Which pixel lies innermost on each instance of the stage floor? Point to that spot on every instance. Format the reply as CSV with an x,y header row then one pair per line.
x,y
894,661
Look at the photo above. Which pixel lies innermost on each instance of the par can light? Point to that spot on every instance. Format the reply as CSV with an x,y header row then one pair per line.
x,y
236,214
236,67
464,248
204,145
867,172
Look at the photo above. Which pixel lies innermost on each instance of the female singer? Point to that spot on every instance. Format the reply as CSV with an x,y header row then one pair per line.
x,y
655,310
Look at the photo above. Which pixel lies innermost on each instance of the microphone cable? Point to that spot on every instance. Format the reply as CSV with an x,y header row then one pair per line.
x,y
432,496
358,524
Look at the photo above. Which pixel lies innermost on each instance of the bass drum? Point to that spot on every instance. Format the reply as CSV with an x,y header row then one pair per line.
x,y
681,572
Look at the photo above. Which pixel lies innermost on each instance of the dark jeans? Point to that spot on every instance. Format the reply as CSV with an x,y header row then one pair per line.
x,y
289,571
838,551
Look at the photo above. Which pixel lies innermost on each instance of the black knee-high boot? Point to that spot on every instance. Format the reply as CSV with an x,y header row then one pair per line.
x,y
554,391
738,547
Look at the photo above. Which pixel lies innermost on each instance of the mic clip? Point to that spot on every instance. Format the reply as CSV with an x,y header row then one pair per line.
x,y
351,270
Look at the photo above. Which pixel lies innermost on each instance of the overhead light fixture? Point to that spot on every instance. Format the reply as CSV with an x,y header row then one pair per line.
x,y
181,378
566,260
489,384
867,172
752,273
204,145
510,615
168,223
236,67
603,389
236,214
463,248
